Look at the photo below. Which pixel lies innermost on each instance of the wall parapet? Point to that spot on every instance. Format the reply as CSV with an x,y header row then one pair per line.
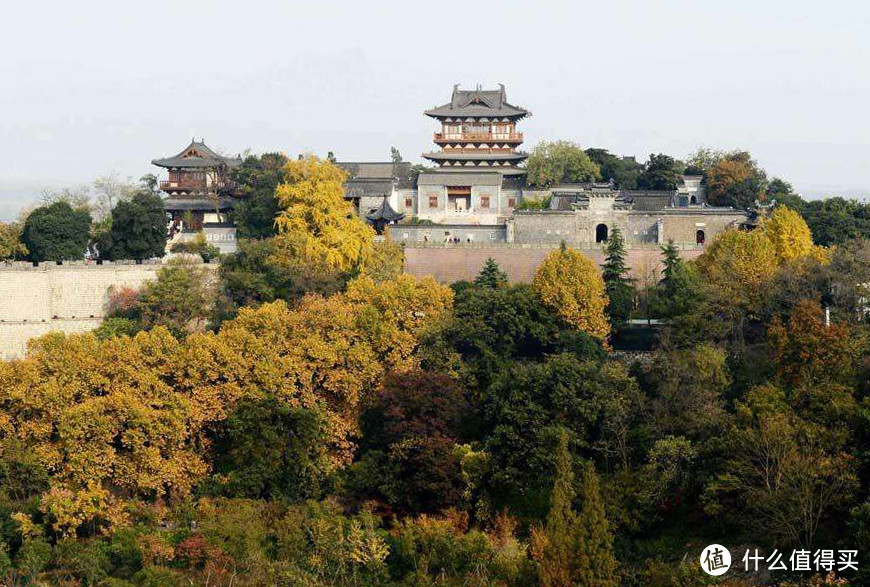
x,y
520,246
66,265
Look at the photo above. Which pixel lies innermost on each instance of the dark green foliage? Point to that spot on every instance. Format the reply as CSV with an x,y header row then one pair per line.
x,y
494,327
56,233
661,172
117,326
250,277
623,171
491,275
257,179
836,220
181,299
270,450
527,408
677,291
138,229
618,286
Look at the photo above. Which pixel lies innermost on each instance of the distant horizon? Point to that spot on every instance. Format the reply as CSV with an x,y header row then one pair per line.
x,y
784,80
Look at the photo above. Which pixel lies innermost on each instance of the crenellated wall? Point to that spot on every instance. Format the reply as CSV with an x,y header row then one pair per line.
x,y
68,298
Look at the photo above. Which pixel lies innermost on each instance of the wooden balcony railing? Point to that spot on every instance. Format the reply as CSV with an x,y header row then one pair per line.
x,y
188,185
508,137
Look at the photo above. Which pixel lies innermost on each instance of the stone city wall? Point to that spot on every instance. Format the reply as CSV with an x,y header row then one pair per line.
x,y
68,298
463,262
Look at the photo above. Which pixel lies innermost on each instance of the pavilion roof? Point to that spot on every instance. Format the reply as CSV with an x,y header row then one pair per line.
x,y
385,212
197,155
478,103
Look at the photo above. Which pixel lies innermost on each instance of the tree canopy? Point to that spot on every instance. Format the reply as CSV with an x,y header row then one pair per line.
x,y
56,232
560,162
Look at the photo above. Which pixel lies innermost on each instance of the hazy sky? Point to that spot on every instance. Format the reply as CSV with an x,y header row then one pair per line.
x,y
91,87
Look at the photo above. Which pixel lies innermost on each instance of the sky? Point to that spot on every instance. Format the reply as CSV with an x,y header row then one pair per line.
x,y
96,87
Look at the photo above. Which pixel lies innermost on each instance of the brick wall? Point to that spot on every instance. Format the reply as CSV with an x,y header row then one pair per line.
x,y
67,298
448,264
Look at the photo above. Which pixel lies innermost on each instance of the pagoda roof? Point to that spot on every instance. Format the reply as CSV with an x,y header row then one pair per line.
x,y
478,103
442,156
197,155
385,212
184,204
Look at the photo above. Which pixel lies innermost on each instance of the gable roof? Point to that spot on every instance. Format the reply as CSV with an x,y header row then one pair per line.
x,y
197,155
478,103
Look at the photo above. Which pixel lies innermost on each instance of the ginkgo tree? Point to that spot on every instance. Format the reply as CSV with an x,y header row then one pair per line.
x,y
315,223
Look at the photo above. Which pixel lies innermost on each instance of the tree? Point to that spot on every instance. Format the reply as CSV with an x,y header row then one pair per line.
x,y
623,171
676,293
111,190
491,275
571,286
560,162
315,222
789,234
735,179
149,183
620,293
180,299
56,233
138,229
574,549
778,189
11,247
271,450
257,178
409,443
660,173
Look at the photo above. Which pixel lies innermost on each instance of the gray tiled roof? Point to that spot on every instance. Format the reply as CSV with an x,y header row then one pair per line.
x,y
183,204
647,200
385,212
358,188
400,172
459,178
478,103
197,155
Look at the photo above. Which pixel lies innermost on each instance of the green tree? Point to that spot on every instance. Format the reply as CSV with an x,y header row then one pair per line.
x,y
138,229
181,299
676,293
560,162
491,275
56,232
617,284
623,171
257,179
661,172
271,450
574,549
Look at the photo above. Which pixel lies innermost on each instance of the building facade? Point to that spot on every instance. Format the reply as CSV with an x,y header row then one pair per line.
x,y
200,196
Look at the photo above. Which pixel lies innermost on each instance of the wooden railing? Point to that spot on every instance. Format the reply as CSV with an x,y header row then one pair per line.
x,y
188,185
511,137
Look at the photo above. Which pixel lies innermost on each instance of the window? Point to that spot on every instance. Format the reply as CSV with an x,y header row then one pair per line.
x,y
700,237
601,233
433,201
409,203
484,201
511,203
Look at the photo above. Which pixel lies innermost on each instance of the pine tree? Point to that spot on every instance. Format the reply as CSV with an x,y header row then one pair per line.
x,y
491,275
676,291
618,286
574,549
596,565
554,545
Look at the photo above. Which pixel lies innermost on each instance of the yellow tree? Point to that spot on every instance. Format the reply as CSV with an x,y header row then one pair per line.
x,y
106,420
738,266
571,285
316,223
790,236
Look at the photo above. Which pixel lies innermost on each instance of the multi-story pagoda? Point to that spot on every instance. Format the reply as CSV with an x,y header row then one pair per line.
x,y
201,193
478,130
